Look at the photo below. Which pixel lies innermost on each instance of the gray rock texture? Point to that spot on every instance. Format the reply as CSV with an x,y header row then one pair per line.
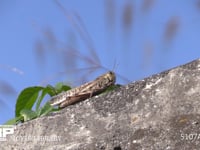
x,y
161,112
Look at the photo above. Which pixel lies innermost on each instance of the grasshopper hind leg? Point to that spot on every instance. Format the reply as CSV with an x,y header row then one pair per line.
x,y
73,100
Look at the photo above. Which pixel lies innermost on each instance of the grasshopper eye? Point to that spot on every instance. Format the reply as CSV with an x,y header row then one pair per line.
x,y
111,73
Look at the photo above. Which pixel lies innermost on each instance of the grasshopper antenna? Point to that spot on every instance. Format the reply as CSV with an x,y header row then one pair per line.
x,y
115,65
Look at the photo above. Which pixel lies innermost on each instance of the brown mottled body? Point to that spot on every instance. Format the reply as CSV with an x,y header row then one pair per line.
x,y
84,91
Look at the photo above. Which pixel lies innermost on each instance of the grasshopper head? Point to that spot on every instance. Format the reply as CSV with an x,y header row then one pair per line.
x,y
110,76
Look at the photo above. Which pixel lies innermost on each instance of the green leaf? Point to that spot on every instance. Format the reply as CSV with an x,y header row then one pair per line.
x,y
112,87
60,87
39,100
29,96
28,114
50,90
46,109
65,88
26,99
14,121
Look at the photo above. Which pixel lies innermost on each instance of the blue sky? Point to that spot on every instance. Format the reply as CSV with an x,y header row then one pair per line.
x,y
134,52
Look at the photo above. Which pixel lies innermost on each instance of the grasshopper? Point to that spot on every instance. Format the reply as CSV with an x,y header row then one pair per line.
x,y
84,91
